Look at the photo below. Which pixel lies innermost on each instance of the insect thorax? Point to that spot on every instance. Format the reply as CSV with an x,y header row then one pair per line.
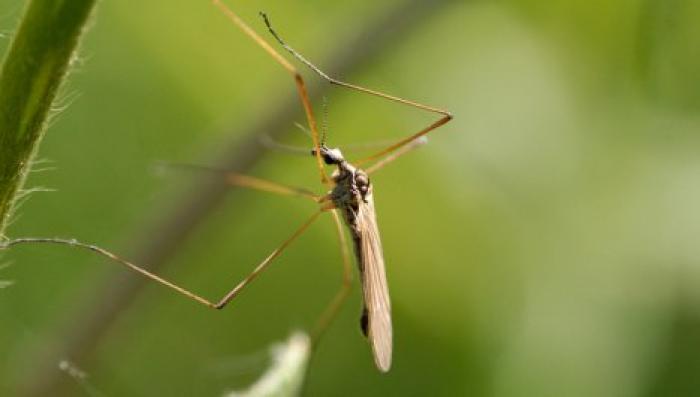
x,y
352,186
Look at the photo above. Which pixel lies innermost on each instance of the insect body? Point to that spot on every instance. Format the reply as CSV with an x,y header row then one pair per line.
x,y
352,194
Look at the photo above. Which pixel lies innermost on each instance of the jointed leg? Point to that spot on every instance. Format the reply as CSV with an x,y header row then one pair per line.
x,y
220,304
335,304
237,289
74,243
393,156
250,182
446,116
267,186
301,86
403,142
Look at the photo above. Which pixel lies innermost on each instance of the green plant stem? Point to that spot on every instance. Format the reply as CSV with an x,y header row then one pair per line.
x,y
33,70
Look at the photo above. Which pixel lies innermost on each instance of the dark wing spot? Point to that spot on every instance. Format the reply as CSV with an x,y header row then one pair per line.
x,y
364,322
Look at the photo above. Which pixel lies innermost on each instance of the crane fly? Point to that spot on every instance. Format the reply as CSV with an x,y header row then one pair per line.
x,y
352,195
349,199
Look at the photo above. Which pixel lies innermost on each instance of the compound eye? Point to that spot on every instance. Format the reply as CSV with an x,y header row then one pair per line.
x,y
361,179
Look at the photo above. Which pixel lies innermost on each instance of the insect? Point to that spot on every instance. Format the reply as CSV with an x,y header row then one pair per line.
x,y
348,198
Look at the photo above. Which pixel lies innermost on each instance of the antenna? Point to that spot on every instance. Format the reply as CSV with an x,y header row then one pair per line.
x,y
324,122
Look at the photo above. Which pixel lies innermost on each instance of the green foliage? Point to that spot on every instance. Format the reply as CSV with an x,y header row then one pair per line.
x,y
32,73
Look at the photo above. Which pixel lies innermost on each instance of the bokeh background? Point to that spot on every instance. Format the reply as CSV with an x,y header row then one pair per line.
x,y
545,243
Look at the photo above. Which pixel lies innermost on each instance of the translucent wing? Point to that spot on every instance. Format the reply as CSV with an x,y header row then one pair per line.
x,y
376,319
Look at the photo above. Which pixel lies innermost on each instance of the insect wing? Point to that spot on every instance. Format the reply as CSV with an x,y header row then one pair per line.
x,y
374,285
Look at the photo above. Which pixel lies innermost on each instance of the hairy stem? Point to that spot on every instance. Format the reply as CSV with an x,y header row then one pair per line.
x,y
32,72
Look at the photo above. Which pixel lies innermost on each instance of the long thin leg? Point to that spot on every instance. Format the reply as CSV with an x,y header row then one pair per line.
x,y
335,304
403,142
237,289
220,304
301,86
416,143
267,186
249,182
446,116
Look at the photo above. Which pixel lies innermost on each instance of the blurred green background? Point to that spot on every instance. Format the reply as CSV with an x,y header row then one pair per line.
x,y
543,244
